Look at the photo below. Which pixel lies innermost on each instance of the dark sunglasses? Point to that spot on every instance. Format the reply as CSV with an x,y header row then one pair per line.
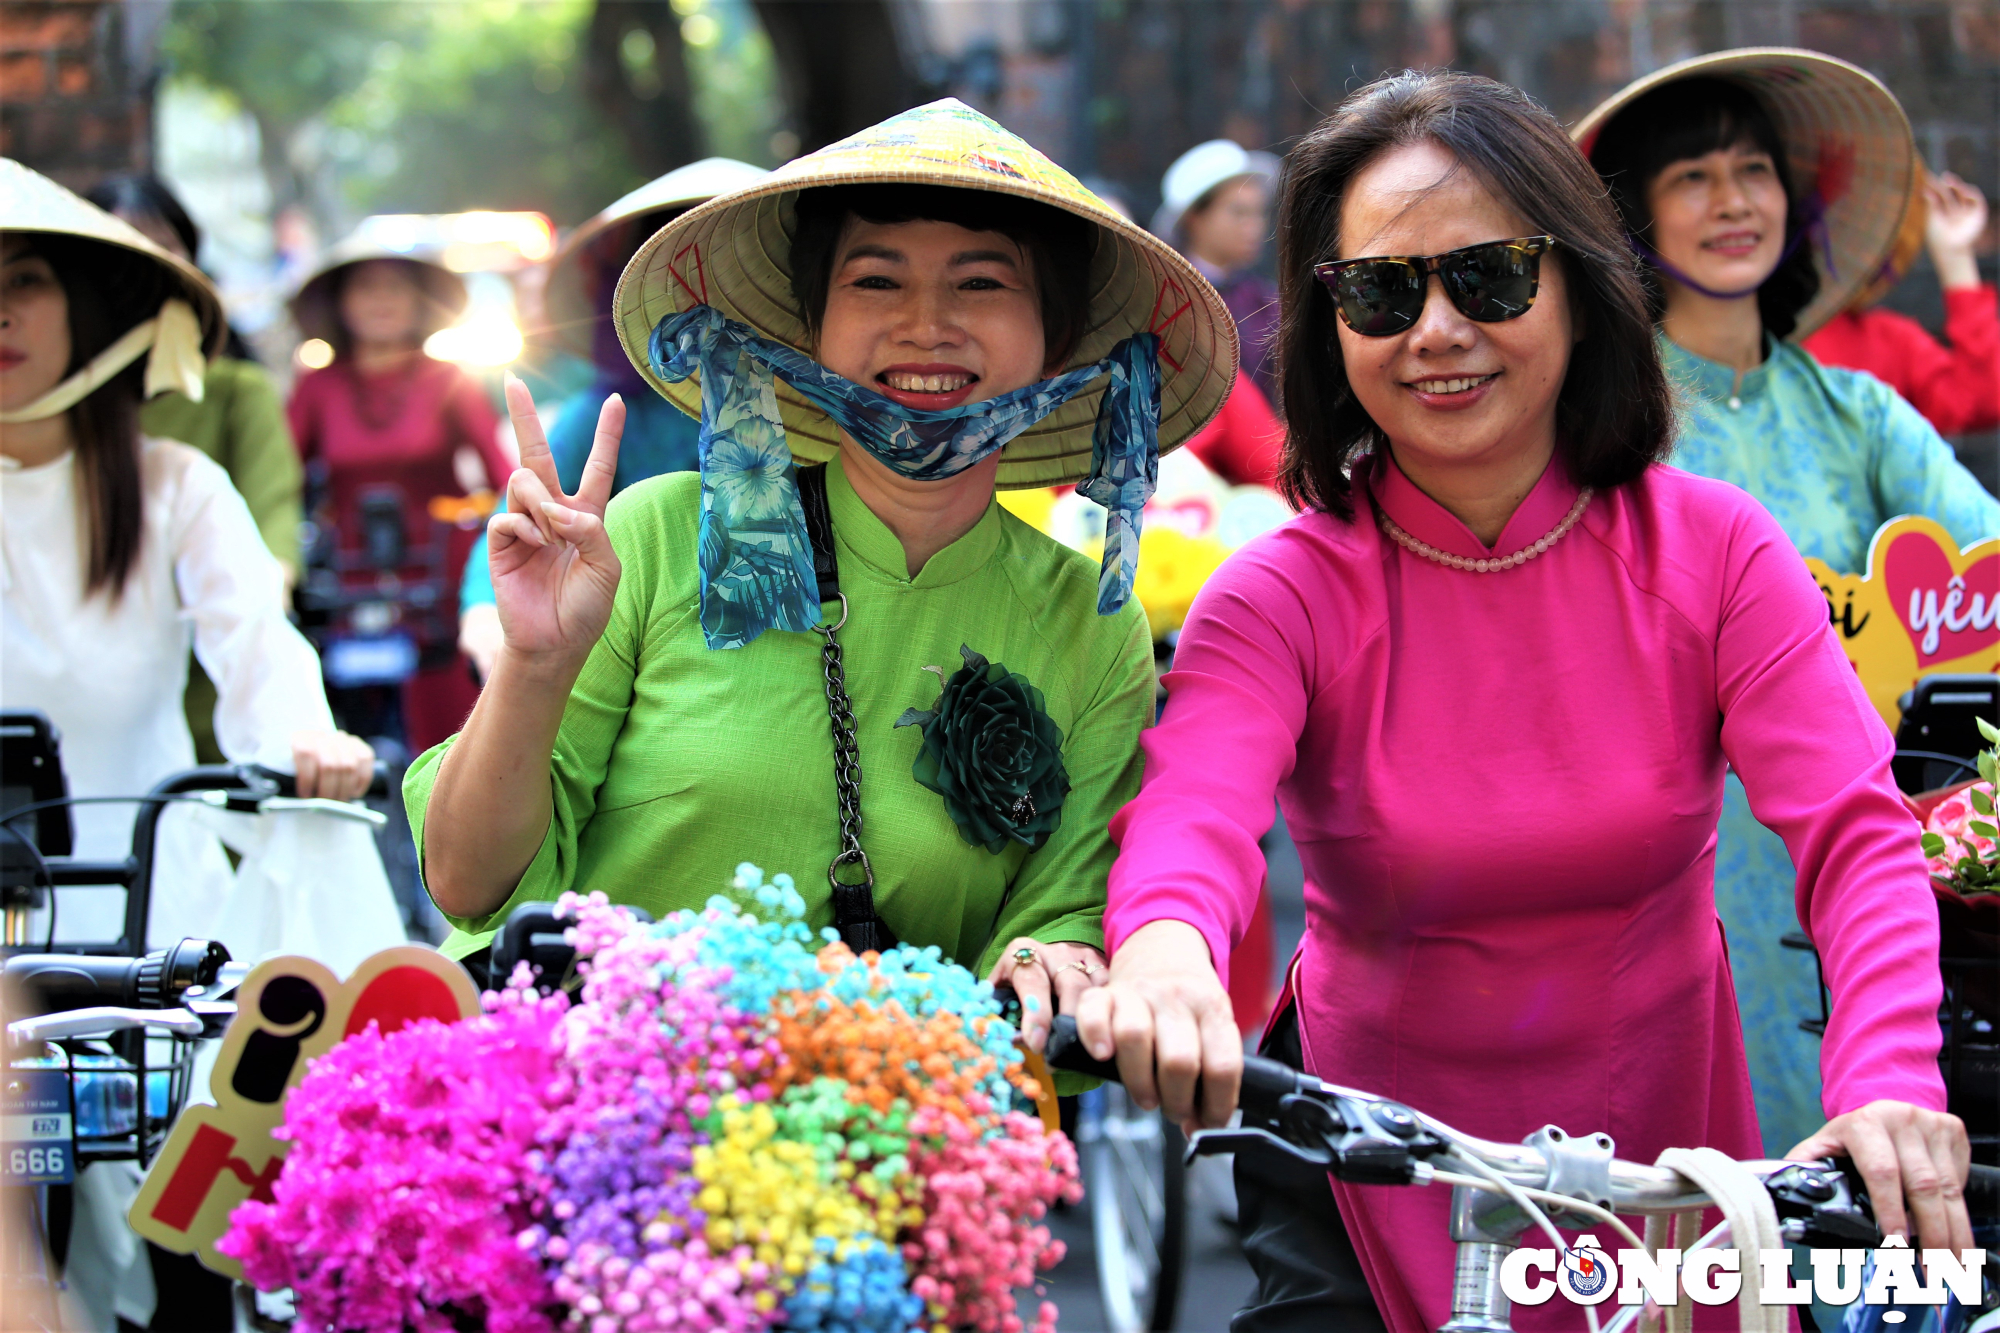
x,y
1381,296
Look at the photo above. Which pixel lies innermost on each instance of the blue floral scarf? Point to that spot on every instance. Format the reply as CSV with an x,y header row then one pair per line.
x,y
756,561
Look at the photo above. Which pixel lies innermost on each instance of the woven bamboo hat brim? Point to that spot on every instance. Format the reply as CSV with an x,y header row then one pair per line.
x,y
567,311
1845,136
315,308
1910,240
30,201
734,253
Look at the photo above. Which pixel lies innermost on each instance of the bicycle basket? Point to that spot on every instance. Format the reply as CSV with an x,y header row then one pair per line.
x,y
79,1102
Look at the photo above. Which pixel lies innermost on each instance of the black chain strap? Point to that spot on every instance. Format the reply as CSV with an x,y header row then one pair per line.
x,y
861,927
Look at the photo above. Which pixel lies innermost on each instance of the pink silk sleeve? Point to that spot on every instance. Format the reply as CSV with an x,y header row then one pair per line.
x,y
1814,759
1236,703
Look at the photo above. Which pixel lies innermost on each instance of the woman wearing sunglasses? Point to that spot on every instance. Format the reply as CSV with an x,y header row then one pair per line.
x,y
1763,190
1493,677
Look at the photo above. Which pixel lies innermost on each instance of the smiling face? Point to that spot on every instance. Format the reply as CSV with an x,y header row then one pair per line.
x,y
931,314
381,304
1719,218
34,325
1448,391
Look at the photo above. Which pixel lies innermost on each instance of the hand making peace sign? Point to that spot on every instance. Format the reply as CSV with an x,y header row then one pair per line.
x,y
554,572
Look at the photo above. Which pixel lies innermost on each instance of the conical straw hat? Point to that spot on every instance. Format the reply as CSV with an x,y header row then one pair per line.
x,y
1845,137
734,253
567,310
315,308
30,201
1910,240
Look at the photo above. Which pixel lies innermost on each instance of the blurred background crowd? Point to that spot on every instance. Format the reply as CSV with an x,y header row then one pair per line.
x,y
402,200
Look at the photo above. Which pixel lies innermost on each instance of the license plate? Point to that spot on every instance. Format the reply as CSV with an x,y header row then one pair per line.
x,y
387,659
35,1144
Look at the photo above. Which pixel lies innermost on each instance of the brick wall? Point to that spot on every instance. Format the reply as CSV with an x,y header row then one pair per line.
x,y
76,85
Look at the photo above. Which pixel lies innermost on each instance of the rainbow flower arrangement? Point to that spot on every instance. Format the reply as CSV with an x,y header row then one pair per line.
x,y
730,1129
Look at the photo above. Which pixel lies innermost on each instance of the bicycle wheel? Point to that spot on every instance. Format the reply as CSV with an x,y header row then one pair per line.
x,y
1135,1185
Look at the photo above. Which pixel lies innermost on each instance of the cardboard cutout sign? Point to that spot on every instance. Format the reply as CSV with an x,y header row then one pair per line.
x,y
1922,607
288,1011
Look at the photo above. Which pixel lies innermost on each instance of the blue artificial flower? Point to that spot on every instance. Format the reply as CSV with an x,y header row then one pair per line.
x,y
750,472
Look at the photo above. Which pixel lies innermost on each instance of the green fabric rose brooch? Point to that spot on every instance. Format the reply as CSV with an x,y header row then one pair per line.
x,y
993,754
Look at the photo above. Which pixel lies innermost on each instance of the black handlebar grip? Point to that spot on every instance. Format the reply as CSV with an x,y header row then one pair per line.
x,y
1265,1082
1067,1052
288,783
61,982
1982,1191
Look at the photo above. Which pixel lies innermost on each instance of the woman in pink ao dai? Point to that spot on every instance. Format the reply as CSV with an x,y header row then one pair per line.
x,y
1494,677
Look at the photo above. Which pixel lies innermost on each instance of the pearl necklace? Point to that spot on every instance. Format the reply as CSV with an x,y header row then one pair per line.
x,y
1488,566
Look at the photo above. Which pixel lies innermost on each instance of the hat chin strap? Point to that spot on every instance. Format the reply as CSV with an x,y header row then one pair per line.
x,y
1812,224
176,364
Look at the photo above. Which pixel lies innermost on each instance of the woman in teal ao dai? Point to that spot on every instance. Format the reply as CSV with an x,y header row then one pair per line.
x,y
1754,232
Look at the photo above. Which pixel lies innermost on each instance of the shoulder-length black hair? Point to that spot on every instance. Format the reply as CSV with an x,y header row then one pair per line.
x,y
1614,415
1691,118
109,290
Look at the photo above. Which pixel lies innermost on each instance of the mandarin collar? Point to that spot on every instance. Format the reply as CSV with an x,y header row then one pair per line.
x,y
1711,379
1428,521
869,540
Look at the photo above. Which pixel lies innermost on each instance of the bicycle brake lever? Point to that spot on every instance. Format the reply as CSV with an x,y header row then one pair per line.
x,y
1823,1204
1364,1143
1217,1142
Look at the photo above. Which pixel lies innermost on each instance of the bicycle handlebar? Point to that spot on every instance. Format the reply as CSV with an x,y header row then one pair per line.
x,y
1371,1140
102,1021
287,784
55,983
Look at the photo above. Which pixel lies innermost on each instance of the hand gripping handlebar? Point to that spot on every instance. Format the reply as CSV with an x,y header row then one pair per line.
x,y
1372,1140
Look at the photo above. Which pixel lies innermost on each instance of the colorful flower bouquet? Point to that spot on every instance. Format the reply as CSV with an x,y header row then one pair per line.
x,y
1961,837
728,1130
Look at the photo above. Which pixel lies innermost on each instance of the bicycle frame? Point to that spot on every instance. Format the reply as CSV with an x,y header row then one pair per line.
x,y
244,789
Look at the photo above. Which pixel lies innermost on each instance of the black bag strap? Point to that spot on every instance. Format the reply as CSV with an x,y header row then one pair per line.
x,y
861,927
819,530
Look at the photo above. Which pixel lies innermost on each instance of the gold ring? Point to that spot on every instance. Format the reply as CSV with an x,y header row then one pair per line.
x,y
1025,955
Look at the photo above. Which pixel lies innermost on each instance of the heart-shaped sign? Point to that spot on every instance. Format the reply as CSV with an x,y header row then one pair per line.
x,y
288,1011
1948,611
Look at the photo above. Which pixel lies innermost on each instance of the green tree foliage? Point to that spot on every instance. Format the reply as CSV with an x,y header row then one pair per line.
x,y
481,106
415,106
285,61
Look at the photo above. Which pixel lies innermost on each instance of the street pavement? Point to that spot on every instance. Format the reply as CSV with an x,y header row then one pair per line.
x,y
1215,1285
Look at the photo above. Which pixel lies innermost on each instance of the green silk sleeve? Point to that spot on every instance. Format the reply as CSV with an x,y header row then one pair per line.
x,y
264,463
1057,896
591,723
240,423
